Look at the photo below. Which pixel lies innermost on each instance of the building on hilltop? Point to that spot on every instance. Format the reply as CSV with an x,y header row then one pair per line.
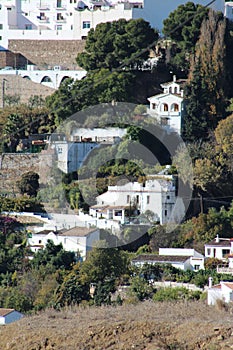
x,y
167,107
9,315
222,291
221,249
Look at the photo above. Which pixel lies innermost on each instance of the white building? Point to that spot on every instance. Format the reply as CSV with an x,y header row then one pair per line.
x,y
71,155
222,291
184,259
167,107
9,315
76,239
219,248
101,135
157,195
72,19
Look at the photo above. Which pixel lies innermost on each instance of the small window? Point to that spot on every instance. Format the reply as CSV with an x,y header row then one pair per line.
x,y
71,14
153,105
59,27
225,252
0,37
42,15
58,3
1,26
86,24
148,200
25,14
39,241
168,197
128,198
28,26
59,17
59,150
165,212
196,267
71,27
137,199
8,8
208,251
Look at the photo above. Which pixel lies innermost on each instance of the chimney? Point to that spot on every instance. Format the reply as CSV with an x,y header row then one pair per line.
x,y
210,282
217,239
174,78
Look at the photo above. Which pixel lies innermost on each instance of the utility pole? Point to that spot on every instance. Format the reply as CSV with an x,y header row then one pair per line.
x,y
3,92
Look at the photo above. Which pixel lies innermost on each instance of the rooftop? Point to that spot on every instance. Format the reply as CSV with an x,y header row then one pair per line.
x,y
161,258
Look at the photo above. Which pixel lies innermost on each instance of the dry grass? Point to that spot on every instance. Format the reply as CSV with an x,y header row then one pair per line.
x,y
148,326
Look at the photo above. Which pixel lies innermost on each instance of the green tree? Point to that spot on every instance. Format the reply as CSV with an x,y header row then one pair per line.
x,y
183,28
111,44
29,184
72,290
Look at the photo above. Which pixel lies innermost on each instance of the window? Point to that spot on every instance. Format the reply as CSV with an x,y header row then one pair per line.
x,y
225,252
59,3
164,121
137,198
28,26
175,107
165,212
148,200
196,267
0,37
128,198
86,24
153,105
59,150
165,107
59,27
175,90
1,26
39,241
59,17
208,251
42,15
168,197
25,14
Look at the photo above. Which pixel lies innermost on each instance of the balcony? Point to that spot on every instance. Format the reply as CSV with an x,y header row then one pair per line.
x,y
43,19
43,6
224,269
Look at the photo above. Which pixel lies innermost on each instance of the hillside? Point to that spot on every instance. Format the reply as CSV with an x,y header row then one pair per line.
x,y
148,326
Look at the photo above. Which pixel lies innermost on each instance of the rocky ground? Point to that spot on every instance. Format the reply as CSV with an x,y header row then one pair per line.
x,y
148,326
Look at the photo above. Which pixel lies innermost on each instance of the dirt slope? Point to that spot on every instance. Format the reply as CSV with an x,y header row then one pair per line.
x,y
148,326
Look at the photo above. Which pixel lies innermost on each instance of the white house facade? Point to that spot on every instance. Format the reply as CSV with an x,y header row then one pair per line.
x,y
77,239
9,315
157,195
183,259
219,248
167,107
222,291
72,19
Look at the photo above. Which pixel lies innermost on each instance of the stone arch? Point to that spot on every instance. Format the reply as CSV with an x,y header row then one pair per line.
x,y
46,79
175,107
63,79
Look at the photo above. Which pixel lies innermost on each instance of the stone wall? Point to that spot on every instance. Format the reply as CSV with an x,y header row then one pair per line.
x,y
49,53
16,85
14,165
15,60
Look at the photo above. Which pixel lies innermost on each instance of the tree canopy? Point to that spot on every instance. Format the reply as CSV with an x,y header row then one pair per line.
x,y
111,44
183,27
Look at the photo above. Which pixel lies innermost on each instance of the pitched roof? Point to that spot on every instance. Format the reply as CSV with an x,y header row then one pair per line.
x,y
228,284
5,312
161,258
223,242
77,231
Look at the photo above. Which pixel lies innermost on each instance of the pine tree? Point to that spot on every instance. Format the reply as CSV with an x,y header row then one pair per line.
x,y
204,94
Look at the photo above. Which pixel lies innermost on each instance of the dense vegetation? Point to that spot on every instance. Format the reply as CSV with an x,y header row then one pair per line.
x,y
201,51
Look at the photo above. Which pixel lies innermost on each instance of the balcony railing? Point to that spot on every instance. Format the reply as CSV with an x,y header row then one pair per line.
x,y
228,270
43,6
